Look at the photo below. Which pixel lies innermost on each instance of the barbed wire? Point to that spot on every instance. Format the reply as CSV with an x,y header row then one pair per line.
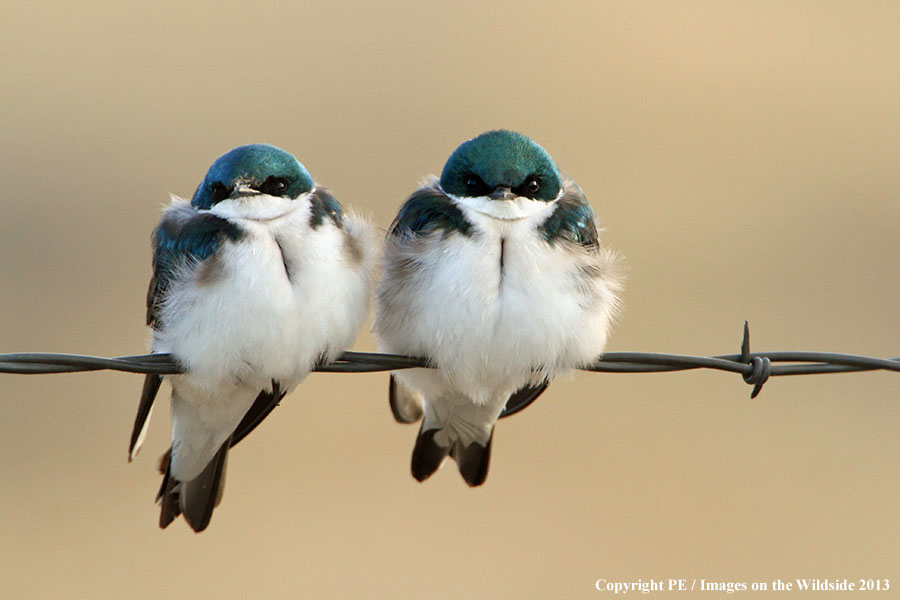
x,y
754,367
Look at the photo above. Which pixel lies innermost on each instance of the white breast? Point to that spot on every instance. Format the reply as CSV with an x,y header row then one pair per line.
x,y
245,319
489,326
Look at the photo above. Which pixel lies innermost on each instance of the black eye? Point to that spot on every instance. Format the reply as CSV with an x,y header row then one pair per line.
x,y
218,191
274,186
533,185
474,185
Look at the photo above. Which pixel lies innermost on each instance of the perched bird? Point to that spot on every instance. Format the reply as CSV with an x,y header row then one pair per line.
x,y
256,279
494,274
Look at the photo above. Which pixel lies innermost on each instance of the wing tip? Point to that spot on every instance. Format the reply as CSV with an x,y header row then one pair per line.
x,y
405,406
145,409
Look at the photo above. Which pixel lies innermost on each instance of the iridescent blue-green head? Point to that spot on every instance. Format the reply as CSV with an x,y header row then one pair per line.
x,y
501,165
251,170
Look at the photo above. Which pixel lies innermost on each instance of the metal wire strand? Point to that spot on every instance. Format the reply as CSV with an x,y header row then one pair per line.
x,y
754,367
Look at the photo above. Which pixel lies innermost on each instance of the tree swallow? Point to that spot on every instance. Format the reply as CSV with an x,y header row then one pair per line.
x,y
254,281
494,274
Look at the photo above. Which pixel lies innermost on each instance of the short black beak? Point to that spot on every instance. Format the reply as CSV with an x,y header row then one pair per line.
x,y
502,193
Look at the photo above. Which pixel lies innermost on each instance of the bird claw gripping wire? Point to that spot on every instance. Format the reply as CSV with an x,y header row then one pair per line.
x,y
760,366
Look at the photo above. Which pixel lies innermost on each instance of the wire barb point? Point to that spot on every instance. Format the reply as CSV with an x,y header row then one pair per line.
x,y
760,369
760,366
745,343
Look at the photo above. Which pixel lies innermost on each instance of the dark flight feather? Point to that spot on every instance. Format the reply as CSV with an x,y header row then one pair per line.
x,y
148,394
405,406
264,404
522,398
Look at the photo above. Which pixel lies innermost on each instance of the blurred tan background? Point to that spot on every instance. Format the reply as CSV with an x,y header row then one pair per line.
x,y
744,157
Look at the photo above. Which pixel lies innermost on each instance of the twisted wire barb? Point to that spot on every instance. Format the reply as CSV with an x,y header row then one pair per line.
x,y
754,367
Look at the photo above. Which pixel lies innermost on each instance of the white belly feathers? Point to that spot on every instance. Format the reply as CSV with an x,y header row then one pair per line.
x,y
496,306
266,306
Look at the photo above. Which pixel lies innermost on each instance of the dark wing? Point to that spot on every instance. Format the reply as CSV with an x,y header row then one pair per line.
x,y
183,235
324,205
572,221
521,399
148,395
265,403
405,405
429,209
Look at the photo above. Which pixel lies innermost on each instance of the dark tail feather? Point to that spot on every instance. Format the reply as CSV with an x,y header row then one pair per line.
x,y
168,494
473,460
202,494
404,404
197,498
427,455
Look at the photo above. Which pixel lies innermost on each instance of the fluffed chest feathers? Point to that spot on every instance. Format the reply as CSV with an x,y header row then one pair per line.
x,y
254,307
498,295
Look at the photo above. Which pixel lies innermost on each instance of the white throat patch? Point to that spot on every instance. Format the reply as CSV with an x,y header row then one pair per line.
x,y
507,210
260,207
